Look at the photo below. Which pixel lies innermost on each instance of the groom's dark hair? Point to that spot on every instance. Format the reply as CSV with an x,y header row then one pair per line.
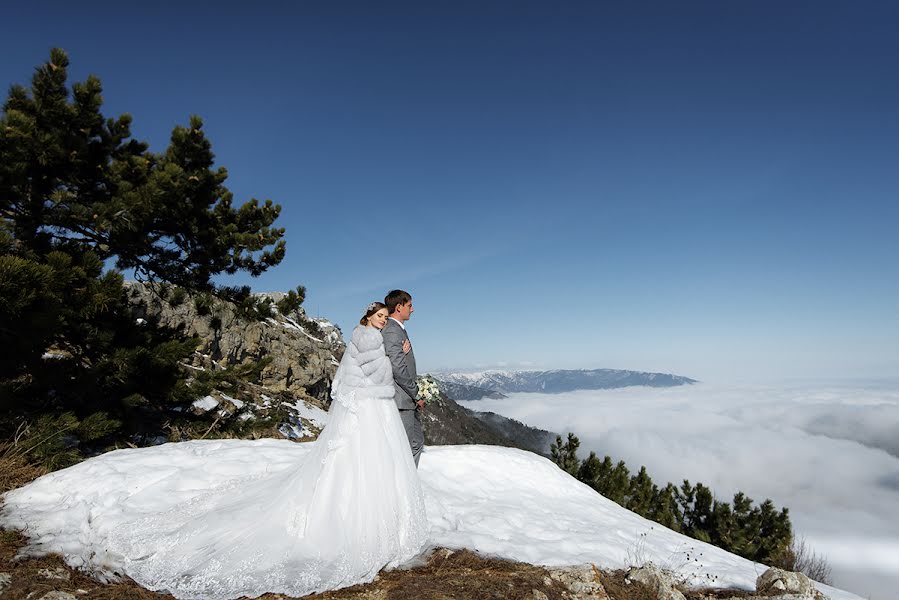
x,y
395,298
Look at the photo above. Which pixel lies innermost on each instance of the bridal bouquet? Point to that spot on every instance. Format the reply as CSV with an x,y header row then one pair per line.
x,y
427,389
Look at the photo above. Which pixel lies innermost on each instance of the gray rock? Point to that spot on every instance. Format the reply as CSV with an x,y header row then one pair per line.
x,y
5,580
655,578
777,581
581,580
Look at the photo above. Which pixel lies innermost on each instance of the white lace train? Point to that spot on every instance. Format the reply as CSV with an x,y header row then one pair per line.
x,y
353,506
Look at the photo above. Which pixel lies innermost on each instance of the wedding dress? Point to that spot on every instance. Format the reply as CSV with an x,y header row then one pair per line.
x,y
352,507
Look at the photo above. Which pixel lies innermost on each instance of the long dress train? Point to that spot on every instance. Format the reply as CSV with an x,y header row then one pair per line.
x,y
352,507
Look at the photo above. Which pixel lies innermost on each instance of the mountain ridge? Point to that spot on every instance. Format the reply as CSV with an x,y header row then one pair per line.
x,y
495,383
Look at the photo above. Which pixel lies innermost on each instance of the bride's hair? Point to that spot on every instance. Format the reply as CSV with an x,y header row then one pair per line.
x,y
372,309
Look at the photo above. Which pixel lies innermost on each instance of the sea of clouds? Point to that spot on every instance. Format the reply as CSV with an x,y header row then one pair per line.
x,y
828,452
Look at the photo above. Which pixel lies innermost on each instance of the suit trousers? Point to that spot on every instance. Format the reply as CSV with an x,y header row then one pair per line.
x,y
411,419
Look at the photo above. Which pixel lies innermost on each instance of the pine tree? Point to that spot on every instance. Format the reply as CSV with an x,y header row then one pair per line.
x,y
292,301
641,491
565,455
665,509
613,482
775,532
77,193
747,524
721,527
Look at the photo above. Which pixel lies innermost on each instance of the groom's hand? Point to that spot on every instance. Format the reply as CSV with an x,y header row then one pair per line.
x,y
421,403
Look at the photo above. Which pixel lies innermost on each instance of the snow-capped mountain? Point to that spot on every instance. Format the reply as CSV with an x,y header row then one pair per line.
x,y
459,391
556,381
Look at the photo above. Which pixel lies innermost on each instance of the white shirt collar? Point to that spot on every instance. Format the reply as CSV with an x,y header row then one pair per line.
x,y
400,323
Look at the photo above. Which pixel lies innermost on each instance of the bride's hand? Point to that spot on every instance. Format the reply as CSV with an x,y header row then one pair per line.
x,y
407,345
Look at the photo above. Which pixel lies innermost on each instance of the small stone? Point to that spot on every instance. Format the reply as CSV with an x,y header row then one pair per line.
x,y
547,582
5,579
56,573
57,595
538,595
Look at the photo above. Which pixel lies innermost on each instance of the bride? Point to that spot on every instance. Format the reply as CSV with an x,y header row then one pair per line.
x,y
351,507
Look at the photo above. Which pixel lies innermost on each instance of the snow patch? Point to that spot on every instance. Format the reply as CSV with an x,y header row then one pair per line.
x,y
313,414
205,404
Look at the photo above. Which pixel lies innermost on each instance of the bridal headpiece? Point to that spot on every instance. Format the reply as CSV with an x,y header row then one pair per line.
x,y
371,307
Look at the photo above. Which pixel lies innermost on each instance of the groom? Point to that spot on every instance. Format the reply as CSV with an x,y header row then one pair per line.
x,y
399,305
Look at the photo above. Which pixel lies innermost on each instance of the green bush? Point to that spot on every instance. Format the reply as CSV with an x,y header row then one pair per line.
x,y
292,301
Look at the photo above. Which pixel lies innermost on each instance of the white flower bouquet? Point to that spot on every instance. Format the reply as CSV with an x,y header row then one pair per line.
x,y
427,389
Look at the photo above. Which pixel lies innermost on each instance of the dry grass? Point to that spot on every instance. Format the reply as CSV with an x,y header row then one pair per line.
x,y
619,589
462,574
15,469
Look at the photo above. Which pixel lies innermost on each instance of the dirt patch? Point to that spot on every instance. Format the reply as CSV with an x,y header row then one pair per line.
x,y
457,575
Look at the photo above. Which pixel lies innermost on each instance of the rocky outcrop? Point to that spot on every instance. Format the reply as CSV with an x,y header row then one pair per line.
x,y
304,353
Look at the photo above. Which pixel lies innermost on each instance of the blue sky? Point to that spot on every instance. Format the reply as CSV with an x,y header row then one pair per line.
x,y
705,188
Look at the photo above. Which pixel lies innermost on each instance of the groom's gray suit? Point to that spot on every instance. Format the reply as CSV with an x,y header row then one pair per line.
x,y
404,384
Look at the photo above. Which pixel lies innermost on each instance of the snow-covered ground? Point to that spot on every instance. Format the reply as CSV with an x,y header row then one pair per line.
x,y
500,501
827,450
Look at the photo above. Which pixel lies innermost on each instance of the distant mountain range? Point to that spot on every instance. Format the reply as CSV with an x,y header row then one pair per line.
x,y
494,384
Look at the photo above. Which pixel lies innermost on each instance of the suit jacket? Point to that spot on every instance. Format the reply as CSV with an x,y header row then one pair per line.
x,y
404,373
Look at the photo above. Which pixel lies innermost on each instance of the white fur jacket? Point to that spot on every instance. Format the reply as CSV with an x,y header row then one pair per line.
x,y
365,371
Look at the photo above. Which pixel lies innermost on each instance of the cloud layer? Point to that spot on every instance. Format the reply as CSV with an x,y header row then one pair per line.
x,y
830,454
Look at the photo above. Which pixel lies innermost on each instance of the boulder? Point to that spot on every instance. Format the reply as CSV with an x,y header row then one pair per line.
x,y
655,578
787,583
